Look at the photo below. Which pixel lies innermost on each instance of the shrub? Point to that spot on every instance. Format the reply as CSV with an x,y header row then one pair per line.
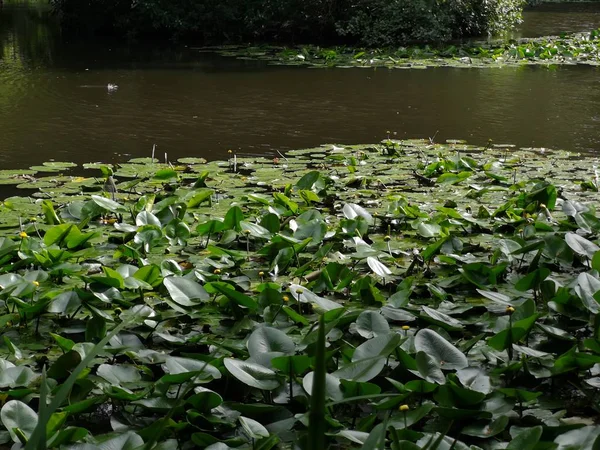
x,y
369,22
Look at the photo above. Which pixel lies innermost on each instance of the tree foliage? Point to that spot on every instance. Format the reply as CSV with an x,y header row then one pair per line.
x,y
366,22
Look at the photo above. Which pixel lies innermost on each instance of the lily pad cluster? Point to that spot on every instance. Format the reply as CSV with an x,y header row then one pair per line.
x,y
575,48
403,295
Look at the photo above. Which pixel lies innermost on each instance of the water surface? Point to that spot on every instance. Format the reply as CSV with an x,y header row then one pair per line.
x,y
54,103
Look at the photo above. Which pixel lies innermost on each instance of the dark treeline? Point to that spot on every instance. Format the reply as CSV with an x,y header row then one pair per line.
x,y
358,22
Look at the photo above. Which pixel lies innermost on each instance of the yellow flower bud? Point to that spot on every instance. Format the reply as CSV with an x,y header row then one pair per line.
x,y
217,271
22,235
510,309
286,298
405,327
247,231
36,283
387,238
543,206
261,274
299,291
404,408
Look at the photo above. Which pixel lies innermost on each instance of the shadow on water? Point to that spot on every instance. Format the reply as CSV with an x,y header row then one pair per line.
x,y
54,103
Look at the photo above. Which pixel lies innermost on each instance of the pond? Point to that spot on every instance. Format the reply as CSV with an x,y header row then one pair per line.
x,y
54,101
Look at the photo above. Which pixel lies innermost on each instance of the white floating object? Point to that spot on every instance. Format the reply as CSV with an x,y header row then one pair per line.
x,y
112,87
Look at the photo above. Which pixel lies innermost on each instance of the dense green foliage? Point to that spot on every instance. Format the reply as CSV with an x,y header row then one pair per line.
x,y
576,48
407,295
369,22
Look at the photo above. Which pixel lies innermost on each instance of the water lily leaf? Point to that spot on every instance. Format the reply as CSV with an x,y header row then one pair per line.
x,y
126,441
233,218
532,280
230,292
267,339
428,230
254,230
199,196
16,376
333,389
296,364
66,303
486,430
165,174
251,374
382,345
526,439
475,379
361,370
444,320
556,332
185,292
16,415
303,295
376,439
252,428
581,439
370,324
118,374
95,329
175,365
149,236
352,211
315,230
109,205
496,297
204,399
511,335
64,365
428,368
412,416
581,245
150,274
587,287
446,355
377,267
358,437
57,234
146,218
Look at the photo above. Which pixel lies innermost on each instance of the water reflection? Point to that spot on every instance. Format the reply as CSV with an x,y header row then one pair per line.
x,y
556,18
26,35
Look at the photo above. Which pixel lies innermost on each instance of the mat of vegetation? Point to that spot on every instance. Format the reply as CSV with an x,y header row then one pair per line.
x,y
577,48
405,295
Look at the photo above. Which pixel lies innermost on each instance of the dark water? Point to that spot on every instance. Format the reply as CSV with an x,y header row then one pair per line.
x,y
557,18
54,103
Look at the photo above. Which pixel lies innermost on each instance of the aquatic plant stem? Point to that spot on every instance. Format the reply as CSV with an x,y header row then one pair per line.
x,y
316,416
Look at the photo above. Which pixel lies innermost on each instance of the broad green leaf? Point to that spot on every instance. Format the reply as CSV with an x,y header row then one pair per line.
x,y
370,324
446,355
185,292
17,415
267,340
581,245
377,267
251,374
230,292
361,370
526,439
